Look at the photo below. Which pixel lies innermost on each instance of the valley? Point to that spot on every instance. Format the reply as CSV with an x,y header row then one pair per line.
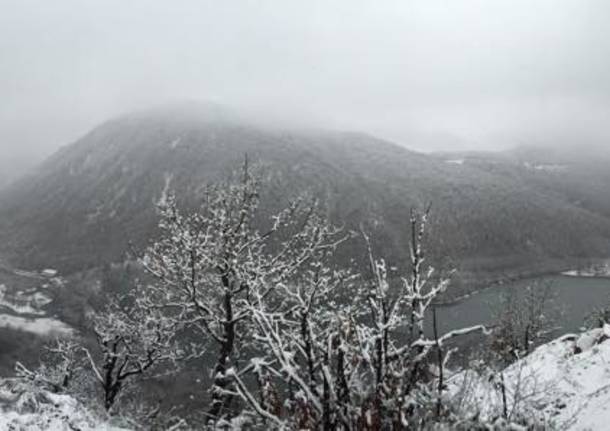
x,y
498,223
26,303
494,217
289,216
497,218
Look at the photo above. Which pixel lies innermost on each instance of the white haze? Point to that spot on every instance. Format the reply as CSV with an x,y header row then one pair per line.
x,y
428,74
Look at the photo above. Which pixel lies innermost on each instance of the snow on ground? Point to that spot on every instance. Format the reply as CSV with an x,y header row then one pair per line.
x,y
25,308
565,382
25,313
600,270
39,299
49,272
22,303
40,325
24,408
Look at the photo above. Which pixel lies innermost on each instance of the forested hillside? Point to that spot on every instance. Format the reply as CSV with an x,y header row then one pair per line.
x,y
496,214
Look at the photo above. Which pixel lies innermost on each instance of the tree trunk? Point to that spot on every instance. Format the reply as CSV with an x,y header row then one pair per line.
x,y
110,394
439,358
504,403
220,399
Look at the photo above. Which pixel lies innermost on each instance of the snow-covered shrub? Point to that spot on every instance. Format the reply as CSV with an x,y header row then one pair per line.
x,y
599,317
143,417
211,264
24,406
361,363
524,319
58,368
133,339
481,397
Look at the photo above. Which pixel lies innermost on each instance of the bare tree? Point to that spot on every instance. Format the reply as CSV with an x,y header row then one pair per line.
x,y
524,318
304,344
341,352
210,264
60,362
132,340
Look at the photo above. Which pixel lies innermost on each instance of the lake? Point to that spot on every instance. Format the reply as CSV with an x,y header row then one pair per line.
x,y
576,297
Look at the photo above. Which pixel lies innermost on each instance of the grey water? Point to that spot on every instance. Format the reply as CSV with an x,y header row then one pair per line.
x,y
573,299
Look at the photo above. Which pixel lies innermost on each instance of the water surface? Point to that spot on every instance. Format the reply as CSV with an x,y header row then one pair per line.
x,y
574,297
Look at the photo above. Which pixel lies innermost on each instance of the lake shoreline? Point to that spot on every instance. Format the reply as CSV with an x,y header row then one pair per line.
x,y
573,301
560,270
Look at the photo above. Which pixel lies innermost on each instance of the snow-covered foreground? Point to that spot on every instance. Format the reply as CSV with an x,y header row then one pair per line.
x,y
565,383
24,409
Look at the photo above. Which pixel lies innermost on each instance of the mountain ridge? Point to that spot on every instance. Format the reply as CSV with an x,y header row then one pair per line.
x,y
83,205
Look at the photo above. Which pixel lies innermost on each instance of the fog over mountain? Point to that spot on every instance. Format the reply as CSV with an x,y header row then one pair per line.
x,y
495,214
292,215
428,75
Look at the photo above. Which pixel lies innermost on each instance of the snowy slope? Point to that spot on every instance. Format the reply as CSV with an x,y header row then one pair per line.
x,y
565,383
25,408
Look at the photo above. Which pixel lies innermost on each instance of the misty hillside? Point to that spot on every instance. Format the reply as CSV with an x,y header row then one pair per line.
x,y
576,174
492,215
12,168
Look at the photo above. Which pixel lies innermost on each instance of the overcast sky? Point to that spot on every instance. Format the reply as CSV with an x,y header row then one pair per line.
x,y
428,74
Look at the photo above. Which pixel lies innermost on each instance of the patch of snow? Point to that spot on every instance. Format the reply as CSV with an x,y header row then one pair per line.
x,y
598,270
20,308
455,161
27,274
40,299
21,304
588,339
26,408
49,272
565,382
544,167
175,143
44,326
167,178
